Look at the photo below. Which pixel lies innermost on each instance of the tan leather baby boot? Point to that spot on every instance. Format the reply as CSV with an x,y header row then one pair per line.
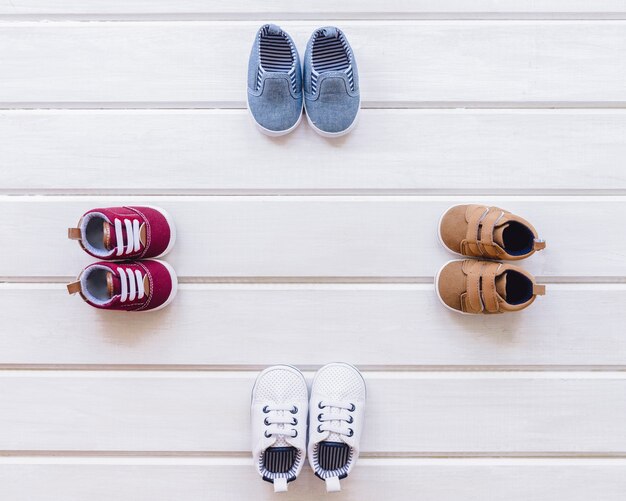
x,y
489,232
472,286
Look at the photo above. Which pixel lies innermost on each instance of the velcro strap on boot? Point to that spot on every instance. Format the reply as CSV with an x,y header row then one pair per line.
x,y
486,229
469,246
489,293
481,294
471,300
479,237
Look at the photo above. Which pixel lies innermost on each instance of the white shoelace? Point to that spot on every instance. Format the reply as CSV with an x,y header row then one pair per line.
x,y
335,417
279,421
132,234
131,284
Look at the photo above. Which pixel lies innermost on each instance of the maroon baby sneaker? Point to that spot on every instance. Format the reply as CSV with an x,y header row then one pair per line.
x,y
127,286
125,232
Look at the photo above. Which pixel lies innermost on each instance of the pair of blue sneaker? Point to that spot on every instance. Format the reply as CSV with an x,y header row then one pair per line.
x,y
277,87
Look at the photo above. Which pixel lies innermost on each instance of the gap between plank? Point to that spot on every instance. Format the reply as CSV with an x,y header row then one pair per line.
x,y
387,373
183,280
243,457
153,193
315,16
308,198
241,105
386,369
314,286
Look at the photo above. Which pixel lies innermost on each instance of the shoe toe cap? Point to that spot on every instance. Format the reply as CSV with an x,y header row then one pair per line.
x,y
453,227
275,109
451,284
334,110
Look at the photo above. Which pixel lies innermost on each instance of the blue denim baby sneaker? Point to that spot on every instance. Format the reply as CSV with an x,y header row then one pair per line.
x,y
274,82
331,83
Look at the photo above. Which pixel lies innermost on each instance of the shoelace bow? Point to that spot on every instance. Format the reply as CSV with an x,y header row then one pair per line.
x,y
131,284
337,418
132,235
279,420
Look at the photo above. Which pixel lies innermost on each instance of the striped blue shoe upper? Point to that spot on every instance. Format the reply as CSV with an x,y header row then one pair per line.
x,y
274,80
331,81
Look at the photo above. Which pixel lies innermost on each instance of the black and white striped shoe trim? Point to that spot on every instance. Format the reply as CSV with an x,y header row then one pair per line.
x,y
277,54
278,461
330,53
331,460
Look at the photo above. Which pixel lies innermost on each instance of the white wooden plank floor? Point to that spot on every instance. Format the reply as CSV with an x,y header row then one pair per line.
x,y
200,63
303,250
322,9
554,151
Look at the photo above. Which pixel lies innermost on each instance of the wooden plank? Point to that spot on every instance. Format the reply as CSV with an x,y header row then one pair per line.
x,y
204,64
283,9
408,412
391,237
515,151
148,479
204,323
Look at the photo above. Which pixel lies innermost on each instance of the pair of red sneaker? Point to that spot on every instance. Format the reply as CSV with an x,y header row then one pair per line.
x,y
125,239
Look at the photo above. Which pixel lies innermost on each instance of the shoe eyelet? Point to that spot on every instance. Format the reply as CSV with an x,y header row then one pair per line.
x,y
320,405
295,422
319,429
353,408
294,410
351,420
295,434
266,435
267,423
266,410
319,417
351,432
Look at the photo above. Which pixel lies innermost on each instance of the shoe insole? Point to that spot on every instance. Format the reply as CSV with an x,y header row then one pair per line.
x,y
279,459
517,239
94,233
276,53
329,54
333,455
519,288
97,284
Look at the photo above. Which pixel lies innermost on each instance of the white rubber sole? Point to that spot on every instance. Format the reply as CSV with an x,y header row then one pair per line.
x,y
333,134
437,287
174,290
274,133
172,226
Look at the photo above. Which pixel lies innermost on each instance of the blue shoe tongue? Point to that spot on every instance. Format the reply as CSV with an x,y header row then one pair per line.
x,y
330,32
273,29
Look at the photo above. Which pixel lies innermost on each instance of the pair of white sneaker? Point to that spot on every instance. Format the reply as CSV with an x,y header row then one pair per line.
x,y
282,413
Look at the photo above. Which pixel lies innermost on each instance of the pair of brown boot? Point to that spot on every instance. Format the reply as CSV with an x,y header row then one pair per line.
x,y
484,285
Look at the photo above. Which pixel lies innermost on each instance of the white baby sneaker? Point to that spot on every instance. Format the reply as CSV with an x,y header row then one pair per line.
x,y
335,422
279,424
